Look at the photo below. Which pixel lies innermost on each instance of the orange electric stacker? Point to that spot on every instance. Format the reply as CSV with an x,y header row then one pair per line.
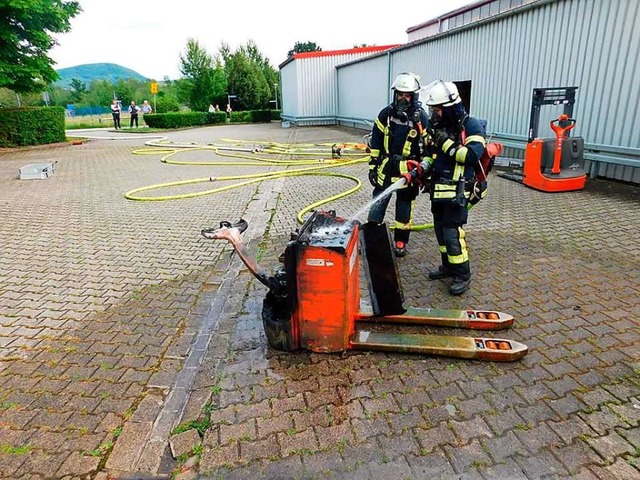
x,y
553,164
313,301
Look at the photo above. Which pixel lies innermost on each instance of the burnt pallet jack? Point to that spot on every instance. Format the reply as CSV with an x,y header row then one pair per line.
x,y
313,301
552,164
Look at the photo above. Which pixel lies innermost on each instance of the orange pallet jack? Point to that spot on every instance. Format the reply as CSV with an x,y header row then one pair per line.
x,y
313,301
553,164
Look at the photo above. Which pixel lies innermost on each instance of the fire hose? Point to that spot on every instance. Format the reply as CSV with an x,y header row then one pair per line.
x,y
250,156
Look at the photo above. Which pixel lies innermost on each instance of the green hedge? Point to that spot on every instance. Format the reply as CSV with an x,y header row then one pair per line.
x,y
251,116
216,117
175,119
190,119
31,126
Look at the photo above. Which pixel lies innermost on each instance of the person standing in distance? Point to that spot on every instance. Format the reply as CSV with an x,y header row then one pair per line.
x,y
133,111
115,113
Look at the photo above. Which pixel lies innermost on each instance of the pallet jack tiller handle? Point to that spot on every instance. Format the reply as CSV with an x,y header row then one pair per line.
x,y
232,232
560,126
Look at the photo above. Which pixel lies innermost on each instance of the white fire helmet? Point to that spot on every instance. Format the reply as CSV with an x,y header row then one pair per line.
x,y
441,94
406,82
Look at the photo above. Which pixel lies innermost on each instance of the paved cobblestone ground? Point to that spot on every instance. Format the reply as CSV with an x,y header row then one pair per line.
x,y
118,322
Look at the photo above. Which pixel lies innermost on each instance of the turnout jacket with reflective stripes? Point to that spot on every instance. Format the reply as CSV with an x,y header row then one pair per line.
x,y
471,143
392,138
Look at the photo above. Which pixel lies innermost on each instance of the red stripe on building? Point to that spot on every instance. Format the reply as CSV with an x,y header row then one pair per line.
x,y
344,52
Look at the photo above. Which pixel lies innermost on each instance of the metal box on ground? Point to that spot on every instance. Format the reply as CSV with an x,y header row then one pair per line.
x,y
36,171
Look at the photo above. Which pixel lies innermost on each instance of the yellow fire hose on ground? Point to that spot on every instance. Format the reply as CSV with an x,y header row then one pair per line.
x,y
253,154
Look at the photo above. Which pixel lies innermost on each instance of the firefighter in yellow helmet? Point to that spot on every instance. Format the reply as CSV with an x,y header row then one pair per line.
x,y
396,144
456,143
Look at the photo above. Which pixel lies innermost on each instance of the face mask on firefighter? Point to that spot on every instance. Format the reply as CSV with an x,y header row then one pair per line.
x,y
403,100
435,117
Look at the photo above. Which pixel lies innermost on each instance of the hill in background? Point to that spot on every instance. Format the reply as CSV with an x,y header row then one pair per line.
x,y
96,71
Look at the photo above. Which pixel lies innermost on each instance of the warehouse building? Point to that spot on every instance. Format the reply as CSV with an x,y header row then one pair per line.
x,y
498,52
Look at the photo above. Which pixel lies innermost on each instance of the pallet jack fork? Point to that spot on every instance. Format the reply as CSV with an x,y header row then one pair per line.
x,y
553,164
313,300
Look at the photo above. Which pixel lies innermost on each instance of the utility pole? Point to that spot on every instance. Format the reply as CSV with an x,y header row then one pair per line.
x,y
276,87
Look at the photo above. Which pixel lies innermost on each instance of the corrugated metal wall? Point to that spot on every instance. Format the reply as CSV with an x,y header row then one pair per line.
x,y
364,102
592,44
289,85
315,87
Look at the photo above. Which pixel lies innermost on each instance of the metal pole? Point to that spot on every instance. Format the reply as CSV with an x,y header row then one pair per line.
x,y
276,87
154,103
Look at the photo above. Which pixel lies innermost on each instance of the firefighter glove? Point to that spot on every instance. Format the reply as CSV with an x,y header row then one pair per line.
x,y
426,167
444,142
478,191
373,177
414,172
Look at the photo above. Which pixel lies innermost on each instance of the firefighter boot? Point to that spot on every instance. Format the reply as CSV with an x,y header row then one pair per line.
x,y
459,286
443,270
461,279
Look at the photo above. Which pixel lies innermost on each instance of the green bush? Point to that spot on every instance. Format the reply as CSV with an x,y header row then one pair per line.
x,y
240,117
216,117
176,120
166,104
192,119
258,116
31,126
276,115
251,116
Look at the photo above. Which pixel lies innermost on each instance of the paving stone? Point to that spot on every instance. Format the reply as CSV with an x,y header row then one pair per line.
x,y
430,465
541,465
291,443
618,470
575,456
503,421
467,458
570,429
383,468
129,446
184,443
260,449
465,431
541,436
399,444
507,470
629,412
610,445
603,420
435,437
240,431
565,406
501,448
365,429
631,435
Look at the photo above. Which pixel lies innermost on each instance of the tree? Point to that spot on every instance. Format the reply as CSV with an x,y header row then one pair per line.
x,y
249,76
205,78
301,47
25,39
270,74
77,89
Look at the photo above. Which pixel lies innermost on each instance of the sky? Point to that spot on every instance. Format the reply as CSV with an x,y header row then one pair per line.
x,y
148,35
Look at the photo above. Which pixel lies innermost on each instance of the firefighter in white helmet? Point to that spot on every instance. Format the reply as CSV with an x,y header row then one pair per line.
x,y
396,143
456,142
